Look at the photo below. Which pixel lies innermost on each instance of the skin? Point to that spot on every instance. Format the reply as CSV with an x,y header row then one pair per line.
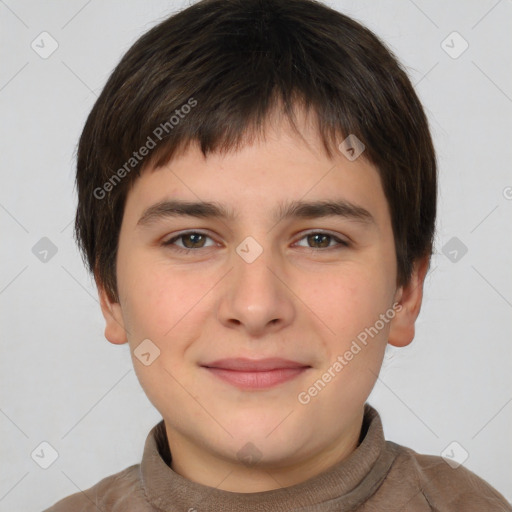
x,y
298,300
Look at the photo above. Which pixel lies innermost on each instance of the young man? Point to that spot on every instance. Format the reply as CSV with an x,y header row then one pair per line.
x,y
257,202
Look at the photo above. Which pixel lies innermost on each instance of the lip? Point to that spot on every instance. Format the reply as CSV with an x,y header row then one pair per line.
x,y
255,373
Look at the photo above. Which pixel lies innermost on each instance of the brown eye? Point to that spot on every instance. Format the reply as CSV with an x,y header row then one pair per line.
x,y
319,238
191,240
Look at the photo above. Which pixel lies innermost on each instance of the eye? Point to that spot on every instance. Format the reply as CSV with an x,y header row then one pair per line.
x,y
323,240
189,240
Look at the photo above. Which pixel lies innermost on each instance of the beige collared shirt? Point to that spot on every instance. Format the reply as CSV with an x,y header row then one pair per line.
x,y
379,476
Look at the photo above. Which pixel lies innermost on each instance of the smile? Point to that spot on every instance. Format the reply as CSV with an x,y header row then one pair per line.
x,y
255,374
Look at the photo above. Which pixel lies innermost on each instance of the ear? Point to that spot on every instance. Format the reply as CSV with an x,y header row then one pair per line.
x,y
409,296
115,331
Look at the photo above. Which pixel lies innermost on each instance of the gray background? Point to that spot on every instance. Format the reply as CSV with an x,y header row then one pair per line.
x,y
64,384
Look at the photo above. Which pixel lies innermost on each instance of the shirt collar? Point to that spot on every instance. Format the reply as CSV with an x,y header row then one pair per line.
x,y
344,486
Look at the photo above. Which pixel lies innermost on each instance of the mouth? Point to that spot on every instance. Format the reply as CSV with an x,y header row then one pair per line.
x,y
255,374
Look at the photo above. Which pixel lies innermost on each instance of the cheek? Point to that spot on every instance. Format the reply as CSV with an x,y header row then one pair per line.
x,y
162,299
348,300
351,307
161,305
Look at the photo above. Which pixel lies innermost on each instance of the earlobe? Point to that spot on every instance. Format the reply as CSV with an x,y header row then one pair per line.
x,y
410,297
115,331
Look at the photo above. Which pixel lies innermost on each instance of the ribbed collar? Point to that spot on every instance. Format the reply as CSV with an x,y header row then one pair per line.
x,y
342,487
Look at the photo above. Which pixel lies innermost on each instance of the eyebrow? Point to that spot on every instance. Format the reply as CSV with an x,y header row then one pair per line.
x,y
294,209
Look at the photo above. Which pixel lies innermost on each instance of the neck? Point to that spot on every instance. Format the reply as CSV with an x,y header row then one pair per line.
x,y
207,468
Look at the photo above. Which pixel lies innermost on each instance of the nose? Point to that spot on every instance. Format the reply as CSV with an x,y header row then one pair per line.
x,y
256,297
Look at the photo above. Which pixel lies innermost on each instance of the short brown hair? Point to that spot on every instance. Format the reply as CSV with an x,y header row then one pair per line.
x,y
234,61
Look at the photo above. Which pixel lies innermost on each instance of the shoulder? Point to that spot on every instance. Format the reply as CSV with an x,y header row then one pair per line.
x,y
121,491
445,487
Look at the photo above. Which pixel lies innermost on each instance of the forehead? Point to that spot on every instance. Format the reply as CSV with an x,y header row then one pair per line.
x,y
263,176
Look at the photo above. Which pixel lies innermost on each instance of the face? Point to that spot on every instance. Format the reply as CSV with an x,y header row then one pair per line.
x,y
251,310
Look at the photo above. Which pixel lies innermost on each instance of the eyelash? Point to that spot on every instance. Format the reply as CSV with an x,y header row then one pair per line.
x,y
170,243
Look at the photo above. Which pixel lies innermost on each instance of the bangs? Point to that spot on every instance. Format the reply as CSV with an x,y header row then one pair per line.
x,y
216,74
